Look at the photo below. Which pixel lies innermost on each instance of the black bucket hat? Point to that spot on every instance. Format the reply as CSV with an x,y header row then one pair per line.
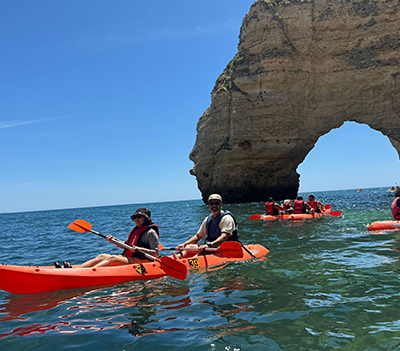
x,y
144,212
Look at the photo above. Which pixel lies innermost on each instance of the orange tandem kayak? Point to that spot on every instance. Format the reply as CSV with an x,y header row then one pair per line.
x,y
36,279
384,225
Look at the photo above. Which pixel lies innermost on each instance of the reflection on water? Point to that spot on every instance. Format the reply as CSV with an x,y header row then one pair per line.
x,y
147,300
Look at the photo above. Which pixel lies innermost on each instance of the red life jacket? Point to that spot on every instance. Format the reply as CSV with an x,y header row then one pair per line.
x,y
134,238
313,204
298,206
269,208
395,209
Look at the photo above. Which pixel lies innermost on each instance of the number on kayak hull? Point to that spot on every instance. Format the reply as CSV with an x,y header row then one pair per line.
x,y
194,263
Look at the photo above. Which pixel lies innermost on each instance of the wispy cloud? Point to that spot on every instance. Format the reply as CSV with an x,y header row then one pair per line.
x,y
174,33
126,36
12,124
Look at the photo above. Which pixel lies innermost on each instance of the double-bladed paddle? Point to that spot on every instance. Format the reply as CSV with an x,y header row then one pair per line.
x,y
230,249
170,266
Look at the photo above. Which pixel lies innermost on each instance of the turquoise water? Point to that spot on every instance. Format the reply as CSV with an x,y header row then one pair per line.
x,y
327,283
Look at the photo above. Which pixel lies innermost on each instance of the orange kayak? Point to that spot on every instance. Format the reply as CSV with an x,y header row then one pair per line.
x,y
384,225
295,216
36,279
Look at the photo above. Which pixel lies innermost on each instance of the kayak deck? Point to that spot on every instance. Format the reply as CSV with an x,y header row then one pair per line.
x,y
36,279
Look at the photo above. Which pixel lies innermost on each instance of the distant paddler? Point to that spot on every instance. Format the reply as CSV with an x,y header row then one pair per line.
x,y
272,208
316,205
395,207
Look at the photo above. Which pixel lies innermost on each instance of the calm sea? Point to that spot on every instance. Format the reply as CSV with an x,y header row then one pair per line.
x,y
328,284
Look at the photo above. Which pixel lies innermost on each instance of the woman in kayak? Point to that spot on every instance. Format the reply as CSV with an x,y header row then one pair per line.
x,y
144,237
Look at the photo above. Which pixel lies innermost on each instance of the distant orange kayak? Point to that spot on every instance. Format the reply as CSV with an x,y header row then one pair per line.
x,y
384,225
36,279
295,216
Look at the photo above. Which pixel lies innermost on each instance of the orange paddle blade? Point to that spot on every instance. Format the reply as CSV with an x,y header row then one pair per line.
x,y
80,226
173,268
231,249
255,216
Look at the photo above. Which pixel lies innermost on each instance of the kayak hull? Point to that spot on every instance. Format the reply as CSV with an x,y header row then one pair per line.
x,y
37,279
295,216
384,225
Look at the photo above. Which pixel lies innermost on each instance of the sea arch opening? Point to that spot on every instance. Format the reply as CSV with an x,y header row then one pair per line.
x,y
352,156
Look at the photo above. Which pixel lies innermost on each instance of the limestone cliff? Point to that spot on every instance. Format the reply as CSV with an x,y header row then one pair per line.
x,y
302,68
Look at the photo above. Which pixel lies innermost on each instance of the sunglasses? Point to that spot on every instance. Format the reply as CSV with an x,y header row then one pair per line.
x,y
136,217
214,203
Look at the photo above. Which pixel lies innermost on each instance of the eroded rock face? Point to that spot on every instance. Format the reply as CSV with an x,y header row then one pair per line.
x,y
302,68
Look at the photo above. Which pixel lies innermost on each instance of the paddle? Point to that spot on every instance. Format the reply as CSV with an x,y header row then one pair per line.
x,y
230,249
333,213
170,266
255,216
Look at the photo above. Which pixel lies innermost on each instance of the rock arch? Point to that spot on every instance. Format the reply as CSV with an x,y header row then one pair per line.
x,y
302,69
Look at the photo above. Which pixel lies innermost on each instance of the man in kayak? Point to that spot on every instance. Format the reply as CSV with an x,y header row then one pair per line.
x,y
218,227
317,206
300,206
144,237
395,206
272,208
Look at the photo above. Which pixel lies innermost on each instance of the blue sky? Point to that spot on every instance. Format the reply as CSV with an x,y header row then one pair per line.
x,y
100,102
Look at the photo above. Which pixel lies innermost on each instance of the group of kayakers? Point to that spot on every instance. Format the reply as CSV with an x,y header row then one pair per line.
x,y
298,206
218,227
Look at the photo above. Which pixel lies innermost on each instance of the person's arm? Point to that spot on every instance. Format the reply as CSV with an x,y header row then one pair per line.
x,y
217,242
309,208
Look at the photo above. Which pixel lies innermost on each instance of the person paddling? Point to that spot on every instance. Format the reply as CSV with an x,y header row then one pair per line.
x,y
300,206
144,236
317,206
217,227
272,208
395,206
